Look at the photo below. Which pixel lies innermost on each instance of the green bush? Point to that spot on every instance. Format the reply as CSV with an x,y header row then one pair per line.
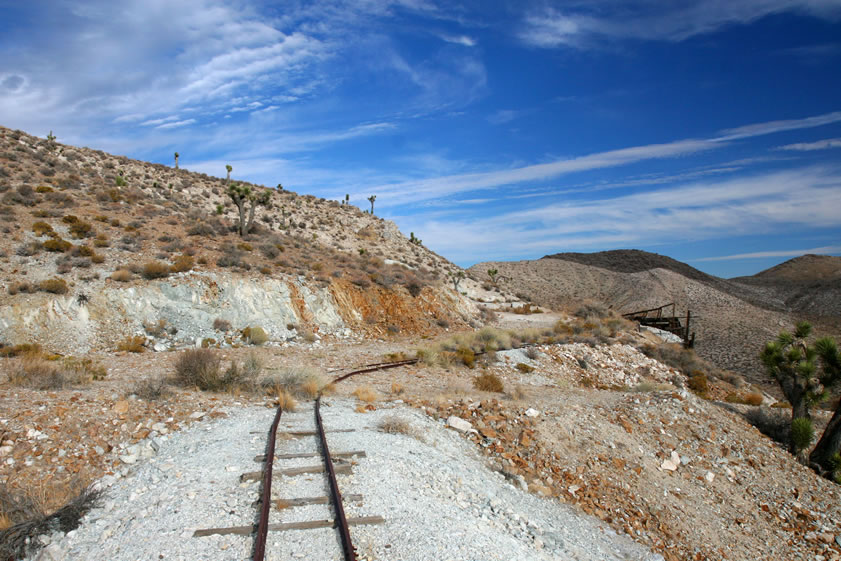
x,y
698,383
802,433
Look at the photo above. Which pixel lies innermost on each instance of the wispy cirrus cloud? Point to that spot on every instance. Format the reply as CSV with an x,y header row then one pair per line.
x,y
780,126
751,204
581,25
823,250
810,146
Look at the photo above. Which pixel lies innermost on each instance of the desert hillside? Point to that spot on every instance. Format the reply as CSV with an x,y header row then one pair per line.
x,y
732,318
98,249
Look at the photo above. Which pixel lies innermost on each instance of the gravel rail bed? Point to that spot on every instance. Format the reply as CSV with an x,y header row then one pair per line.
x,y
439,499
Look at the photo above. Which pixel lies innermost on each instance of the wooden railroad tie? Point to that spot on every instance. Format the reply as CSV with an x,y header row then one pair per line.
x,y
305,501
342,468
282,527
357,453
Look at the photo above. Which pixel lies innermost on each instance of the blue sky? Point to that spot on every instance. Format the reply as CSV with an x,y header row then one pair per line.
x,y
707,131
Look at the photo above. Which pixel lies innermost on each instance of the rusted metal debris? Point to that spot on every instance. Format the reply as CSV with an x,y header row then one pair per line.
x,y
265,505
656,318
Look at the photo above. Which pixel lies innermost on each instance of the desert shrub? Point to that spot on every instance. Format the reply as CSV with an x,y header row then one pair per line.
x,y
532,353
307,335
301,382
201,368
230,257
183,263
466,356
155,328
41,228
592,310
524,368
155,270
255,335
83,370
269,250
488,382
677,357
54,286
802,433
698,383
43,189
35,372
81,251
101,241
97,258
396,388
57,245
80,229
772,422
132,344
29,517
366,394
22,349
220,324
414,288
22,287
121,275
443,323
393,424
29,249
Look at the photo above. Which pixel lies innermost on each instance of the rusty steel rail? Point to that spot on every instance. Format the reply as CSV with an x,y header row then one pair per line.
x,y
341,519
266,497
376,367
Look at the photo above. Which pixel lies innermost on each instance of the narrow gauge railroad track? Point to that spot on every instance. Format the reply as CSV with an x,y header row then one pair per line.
x,y
330,467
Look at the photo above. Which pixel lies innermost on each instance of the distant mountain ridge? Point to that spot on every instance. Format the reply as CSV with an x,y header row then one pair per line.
x,y
733,316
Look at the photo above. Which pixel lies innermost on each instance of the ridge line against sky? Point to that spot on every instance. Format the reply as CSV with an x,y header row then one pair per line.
x,y
707,131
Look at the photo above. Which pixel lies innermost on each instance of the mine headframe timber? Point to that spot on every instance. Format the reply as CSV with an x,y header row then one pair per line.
x,y
655,317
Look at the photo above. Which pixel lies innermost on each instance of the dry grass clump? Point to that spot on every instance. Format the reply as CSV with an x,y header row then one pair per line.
x,y
152,389
524,368
132,344
202,368
182,264
54,286
220,324
592,310
648,387
36,372
366,394
155,328
488,382
699,383
29,514
300,382
57,245
393,424
9,351
397,388
121,275
752,398
285,400
155,270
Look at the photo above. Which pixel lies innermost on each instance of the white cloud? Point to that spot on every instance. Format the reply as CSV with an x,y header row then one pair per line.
x,y
176,124
750,205
824,250
581,24
780,126
809,146
459,40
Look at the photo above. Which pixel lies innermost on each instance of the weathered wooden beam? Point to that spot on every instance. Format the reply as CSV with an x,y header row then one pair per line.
x,y
304,501
282,527
357,453
291,472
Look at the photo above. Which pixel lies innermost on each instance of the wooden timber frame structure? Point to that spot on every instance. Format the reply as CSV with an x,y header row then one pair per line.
x,y
655,318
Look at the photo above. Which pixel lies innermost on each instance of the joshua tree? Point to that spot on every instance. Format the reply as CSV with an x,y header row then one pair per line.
x,y
825,455
794,365
51,138
372,198
492,273
456,278
176,160
415,240
241,194
347,199
230,169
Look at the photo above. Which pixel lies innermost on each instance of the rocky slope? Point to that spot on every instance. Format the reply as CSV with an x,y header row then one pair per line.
x,y
97,248
730,323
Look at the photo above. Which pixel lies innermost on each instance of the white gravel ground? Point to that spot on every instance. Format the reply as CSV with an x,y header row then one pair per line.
x,y
439,499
